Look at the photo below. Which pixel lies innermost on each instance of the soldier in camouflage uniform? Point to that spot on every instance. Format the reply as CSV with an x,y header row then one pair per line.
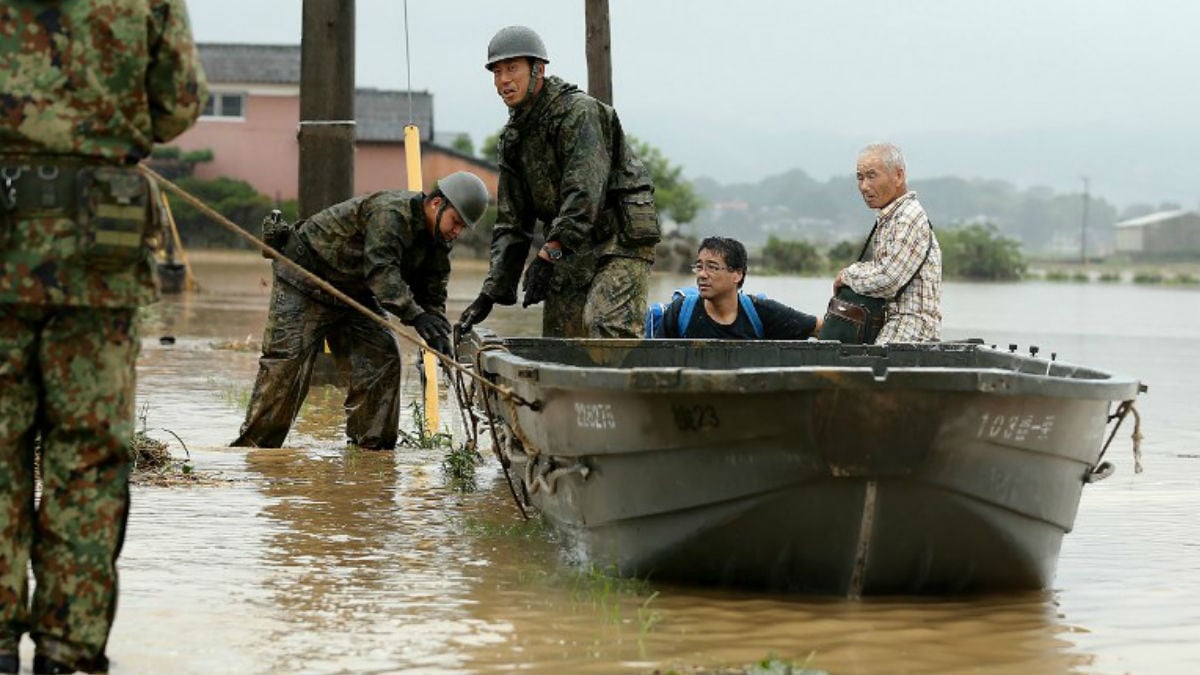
x,y
389,251
86,88
564,161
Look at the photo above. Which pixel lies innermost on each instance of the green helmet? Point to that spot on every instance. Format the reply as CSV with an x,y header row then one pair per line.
x,y
514,42
467,194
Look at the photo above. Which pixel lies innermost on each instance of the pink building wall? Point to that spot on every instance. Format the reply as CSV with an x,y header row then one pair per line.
x,y
262,149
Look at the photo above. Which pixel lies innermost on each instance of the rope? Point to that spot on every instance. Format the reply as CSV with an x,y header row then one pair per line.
x,y
1123,410
408,65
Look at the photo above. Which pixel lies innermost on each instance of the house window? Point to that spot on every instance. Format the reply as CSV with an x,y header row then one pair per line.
x,y
225,105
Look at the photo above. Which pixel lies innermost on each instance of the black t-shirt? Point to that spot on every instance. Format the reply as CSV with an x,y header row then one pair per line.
x,y
779,321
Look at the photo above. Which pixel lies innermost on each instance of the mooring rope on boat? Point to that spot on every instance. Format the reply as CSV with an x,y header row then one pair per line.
x,y
1123,410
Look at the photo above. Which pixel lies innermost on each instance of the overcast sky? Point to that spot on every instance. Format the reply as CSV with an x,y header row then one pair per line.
x,y
1036,92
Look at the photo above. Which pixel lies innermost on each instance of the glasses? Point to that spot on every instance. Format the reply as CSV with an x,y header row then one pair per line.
x,y
708,267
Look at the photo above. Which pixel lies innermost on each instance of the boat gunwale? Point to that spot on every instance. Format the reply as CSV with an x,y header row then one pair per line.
x,y
543,374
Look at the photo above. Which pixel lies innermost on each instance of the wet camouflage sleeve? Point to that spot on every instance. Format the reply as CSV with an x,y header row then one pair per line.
x,y
511,236
110,96
403,267
584,147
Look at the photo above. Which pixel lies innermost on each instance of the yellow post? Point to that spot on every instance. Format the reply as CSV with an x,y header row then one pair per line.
x,y
412,153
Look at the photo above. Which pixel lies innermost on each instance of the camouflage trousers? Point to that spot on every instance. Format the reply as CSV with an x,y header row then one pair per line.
x,y
298,325
67,376
613,305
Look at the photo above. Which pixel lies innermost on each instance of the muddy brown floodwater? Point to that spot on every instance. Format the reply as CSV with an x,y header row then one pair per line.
x,y
321,559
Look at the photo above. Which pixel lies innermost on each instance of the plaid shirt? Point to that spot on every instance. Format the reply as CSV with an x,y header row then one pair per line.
x,y
901,240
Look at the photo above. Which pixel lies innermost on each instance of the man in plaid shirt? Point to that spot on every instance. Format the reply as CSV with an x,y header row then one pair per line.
x,y
903,248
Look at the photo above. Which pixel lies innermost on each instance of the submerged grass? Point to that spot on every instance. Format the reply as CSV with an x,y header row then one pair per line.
x,y
769,665
234,394
461,459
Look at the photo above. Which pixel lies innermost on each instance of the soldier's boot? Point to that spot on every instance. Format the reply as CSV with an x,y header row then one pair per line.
x,y
47,665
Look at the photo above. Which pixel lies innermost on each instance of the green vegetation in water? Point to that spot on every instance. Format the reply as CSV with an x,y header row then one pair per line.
x,y
769,665
153,463
234,394
979,252
773,665
1110,277
1185,279
422,437
534,528
799,257
1081,276
460,461
1148,278
459,464
1057,275
603,588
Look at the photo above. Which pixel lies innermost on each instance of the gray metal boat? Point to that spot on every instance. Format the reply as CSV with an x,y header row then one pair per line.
x,y
804,466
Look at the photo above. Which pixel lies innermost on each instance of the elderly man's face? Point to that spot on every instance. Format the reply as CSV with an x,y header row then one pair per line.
x,y
878,184
511,77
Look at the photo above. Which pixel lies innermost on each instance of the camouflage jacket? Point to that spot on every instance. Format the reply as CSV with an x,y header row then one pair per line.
x,y
379,245
97,81
563,161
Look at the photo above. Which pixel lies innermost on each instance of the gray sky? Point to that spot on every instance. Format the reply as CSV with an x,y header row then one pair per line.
x,y
1036,92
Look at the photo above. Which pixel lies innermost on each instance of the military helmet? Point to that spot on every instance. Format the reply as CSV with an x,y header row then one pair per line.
x,y
467,194
514,42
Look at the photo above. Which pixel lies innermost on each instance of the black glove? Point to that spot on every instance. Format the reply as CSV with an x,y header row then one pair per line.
x,y
434,329
475,313
537,281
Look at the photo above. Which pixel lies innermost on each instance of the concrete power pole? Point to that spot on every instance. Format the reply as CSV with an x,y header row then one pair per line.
x,y
599,50
326,104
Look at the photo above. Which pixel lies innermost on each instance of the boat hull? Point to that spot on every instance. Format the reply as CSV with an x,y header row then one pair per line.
x,y
844,471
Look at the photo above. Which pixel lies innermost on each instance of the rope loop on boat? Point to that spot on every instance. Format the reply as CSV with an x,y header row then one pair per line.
x,y
1105,469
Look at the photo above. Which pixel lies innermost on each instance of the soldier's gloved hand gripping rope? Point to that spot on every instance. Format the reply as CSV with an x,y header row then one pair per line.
x,y
434,329
475,313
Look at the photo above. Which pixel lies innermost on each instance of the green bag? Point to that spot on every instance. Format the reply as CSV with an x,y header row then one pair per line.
x,y
854,318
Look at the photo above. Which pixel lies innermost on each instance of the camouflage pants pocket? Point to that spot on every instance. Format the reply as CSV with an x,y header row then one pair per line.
x,y
115,217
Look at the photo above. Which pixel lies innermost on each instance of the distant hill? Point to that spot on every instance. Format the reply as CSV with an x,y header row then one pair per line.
x,y
793,205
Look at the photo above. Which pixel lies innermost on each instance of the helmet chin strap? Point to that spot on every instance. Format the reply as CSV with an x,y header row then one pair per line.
x,y
534,75
437,223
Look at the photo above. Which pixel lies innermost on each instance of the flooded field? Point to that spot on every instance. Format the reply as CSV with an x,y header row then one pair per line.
x,y
322,559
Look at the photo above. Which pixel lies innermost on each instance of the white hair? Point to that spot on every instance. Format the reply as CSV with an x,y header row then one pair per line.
x,y
892,158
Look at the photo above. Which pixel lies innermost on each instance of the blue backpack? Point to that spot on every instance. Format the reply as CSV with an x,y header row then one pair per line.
x,y
655,324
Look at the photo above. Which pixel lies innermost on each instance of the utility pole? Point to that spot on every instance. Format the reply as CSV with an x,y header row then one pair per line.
x,y
326,104
599,50
1083,226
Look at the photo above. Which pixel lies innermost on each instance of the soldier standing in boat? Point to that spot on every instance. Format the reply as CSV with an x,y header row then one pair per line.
x,y
903,262
564,161
388,250
86,89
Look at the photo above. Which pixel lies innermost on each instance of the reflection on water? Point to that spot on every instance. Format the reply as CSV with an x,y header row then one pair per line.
x,y
324,559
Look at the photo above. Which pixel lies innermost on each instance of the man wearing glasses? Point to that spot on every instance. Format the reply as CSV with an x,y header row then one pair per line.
x,y
721,311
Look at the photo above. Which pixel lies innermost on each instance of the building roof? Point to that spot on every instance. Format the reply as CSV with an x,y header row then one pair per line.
x,y
1155,218
260,64
381,114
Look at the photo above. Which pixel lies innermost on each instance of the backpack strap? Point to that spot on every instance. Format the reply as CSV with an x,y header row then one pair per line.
x,y
747,302
690,295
